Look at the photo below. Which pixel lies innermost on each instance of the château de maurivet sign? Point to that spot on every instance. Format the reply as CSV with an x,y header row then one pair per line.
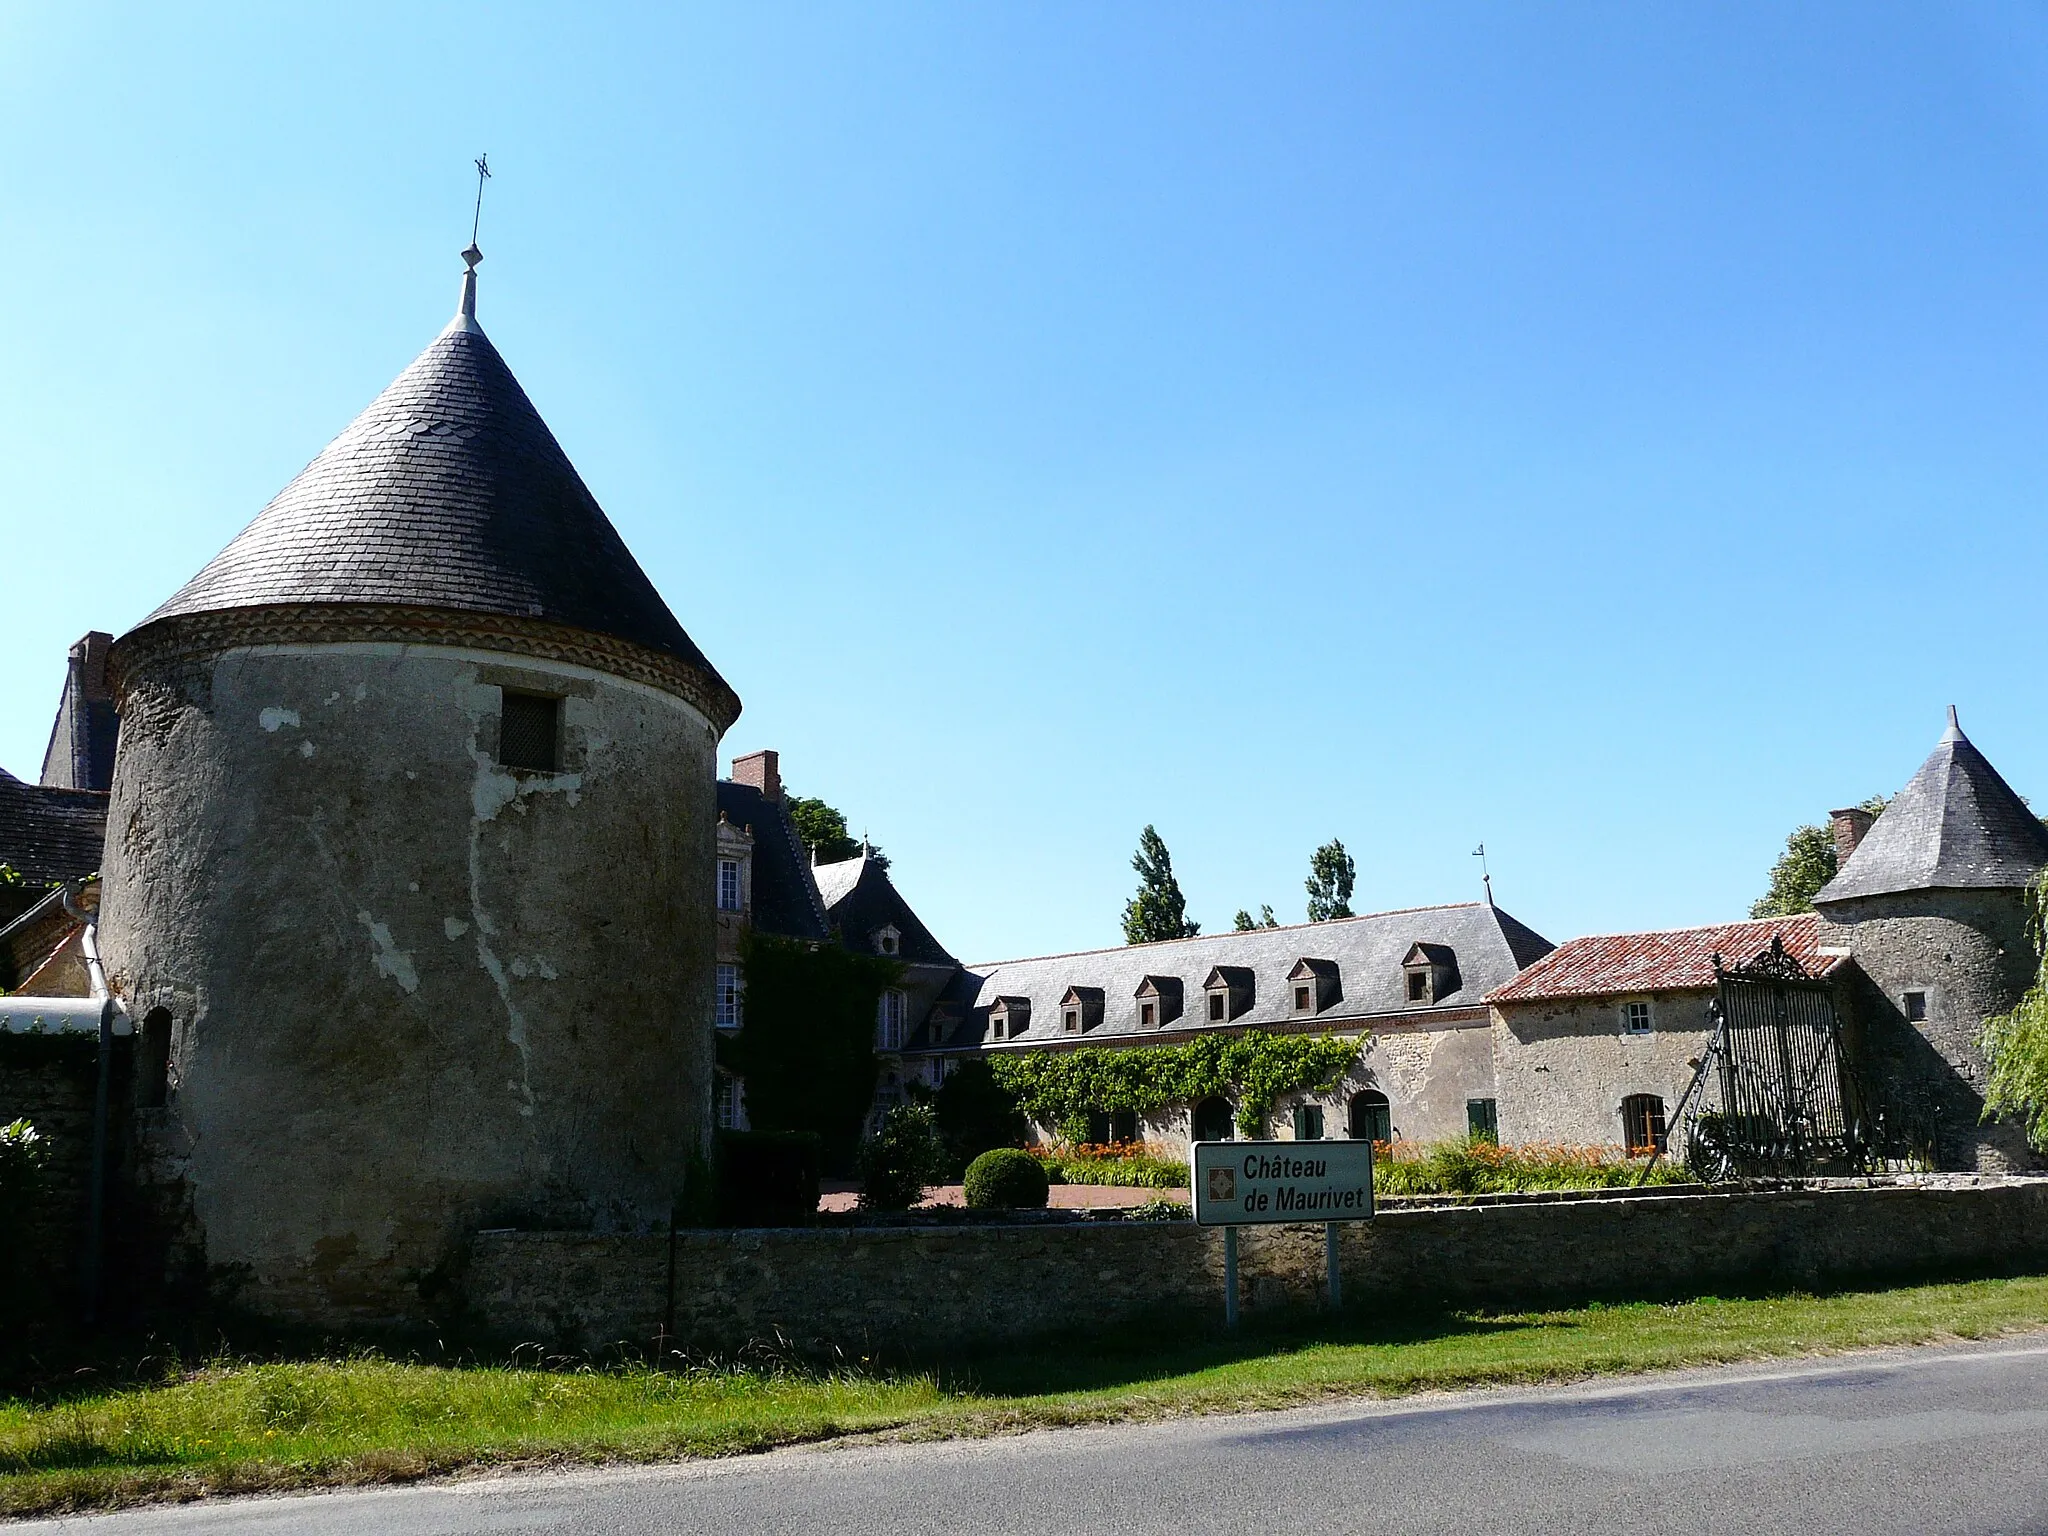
x,y
1243,1183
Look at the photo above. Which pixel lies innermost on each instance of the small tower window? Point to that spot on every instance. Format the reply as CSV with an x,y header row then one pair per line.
x,y
1916,1007
529,732
153,1074
728,885
888,941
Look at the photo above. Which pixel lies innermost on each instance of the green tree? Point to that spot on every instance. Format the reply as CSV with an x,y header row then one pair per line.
x,y
1331,875
974,1112
1244,922
1807,864
1159,910
2016,1044
823,829
807,1048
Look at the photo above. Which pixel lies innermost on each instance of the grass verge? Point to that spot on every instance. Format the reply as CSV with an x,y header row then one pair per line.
x,y
241,1427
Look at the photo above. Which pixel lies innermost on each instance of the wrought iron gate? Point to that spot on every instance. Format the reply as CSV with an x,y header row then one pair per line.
x,y
1773,1095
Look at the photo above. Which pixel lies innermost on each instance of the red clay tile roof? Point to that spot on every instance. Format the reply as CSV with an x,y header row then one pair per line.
x,y
1678,959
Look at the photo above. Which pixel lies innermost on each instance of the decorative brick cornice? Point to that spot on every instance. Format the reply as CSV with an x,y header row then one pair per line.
x,y
195,636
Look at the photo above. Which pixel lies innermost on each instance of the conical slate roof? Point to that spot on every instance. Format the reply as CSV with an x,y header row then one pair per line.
x,y
448,492
1956,825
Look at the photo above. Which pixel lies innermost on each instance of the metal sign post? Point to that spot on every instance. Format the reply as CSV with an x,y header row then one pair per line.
x,y
1253,1183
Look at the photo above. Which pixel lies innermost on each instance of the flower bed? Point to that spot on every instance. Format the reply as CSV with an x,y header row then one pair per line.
x,y
1124,1164
1475,1166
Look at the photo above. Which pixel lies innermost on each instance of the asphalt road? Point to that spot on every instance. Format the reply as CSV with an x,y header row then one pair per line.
x,y
1916,1441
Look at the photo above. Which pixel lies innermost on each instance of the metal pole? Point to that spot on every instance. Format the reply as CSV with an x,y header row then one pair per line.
x,y
1332,1273
1230,1277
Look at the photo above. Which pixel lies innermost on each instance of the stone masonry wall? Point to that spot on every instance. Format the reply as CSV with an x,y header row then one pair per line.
x,y
51,1081
916,1289
1565,1065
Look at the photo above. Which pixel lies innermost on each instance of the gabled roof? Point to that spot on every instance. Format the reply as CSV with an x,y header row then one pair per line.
x,y
48,835
447,492
1490,945
1081,995
1430,954
1227,976
1158,986
785,900
1306,967
1674,960
861,900
1956,825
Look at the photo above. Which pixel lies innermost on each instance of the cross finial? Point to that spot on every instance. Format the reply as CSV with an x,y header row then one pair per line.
x,y
466,313
483,174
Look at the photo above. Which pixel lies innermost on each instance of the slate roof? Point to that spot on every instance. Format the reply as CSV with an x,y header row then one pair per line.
x,y
1674,960
1956,825
861,900
50,835
447,492
1490,946
785,898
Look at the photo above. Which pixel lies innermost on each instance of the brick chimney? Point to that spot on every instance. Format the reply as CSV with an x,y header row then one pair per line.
x,y
1850,826
762,770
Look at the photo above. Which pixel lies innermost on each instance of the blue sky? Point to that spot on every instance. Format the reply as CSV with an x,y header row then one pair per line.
x,y
1613,432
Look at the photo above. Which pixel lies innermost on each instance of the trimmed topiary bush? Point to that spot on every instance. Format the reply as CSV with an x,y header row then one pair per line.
x,y
1006,1179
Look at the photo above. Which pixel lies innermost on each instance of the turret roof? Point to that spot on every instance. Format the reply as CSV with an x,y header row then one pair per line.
x,y
447,492
1956,825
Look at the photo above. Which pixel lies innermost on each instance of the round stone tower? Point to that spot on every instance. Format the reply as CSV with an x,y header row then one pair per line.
x,y
411,887
1930,899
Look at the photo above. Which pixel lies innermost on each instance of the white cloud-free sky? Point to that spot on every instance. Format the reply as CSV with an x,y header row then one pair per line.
x,y
1613,432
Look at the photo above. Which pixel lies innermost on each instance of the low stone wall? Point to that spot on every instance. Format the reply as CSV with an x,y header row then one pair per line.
x,y
917,1289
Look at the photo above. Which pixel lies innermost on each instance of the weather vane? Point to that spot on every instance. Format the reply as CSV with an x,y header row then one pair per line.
x,y
1485,876
483,174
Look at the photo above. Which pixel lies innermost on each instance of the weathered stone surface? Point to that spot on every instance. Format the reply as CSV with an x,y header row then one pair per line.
x,y
412,992
912,1289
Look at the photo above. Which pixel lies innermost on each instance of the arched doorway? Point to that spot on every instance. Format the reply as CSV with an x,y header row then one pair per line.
x,y
1372,1117
1213,1120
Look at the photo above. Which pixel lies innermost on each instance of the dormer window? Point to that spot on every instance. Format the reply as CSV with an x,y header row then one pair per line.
x,y
1008,1017
1231,990
888,941
728,885
1315,985
1158,1001
1080,1010
1430,973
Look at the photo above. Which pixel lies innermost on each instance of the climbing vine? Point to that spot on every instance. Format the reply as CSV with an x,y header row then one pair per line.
x,y
1062,1088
